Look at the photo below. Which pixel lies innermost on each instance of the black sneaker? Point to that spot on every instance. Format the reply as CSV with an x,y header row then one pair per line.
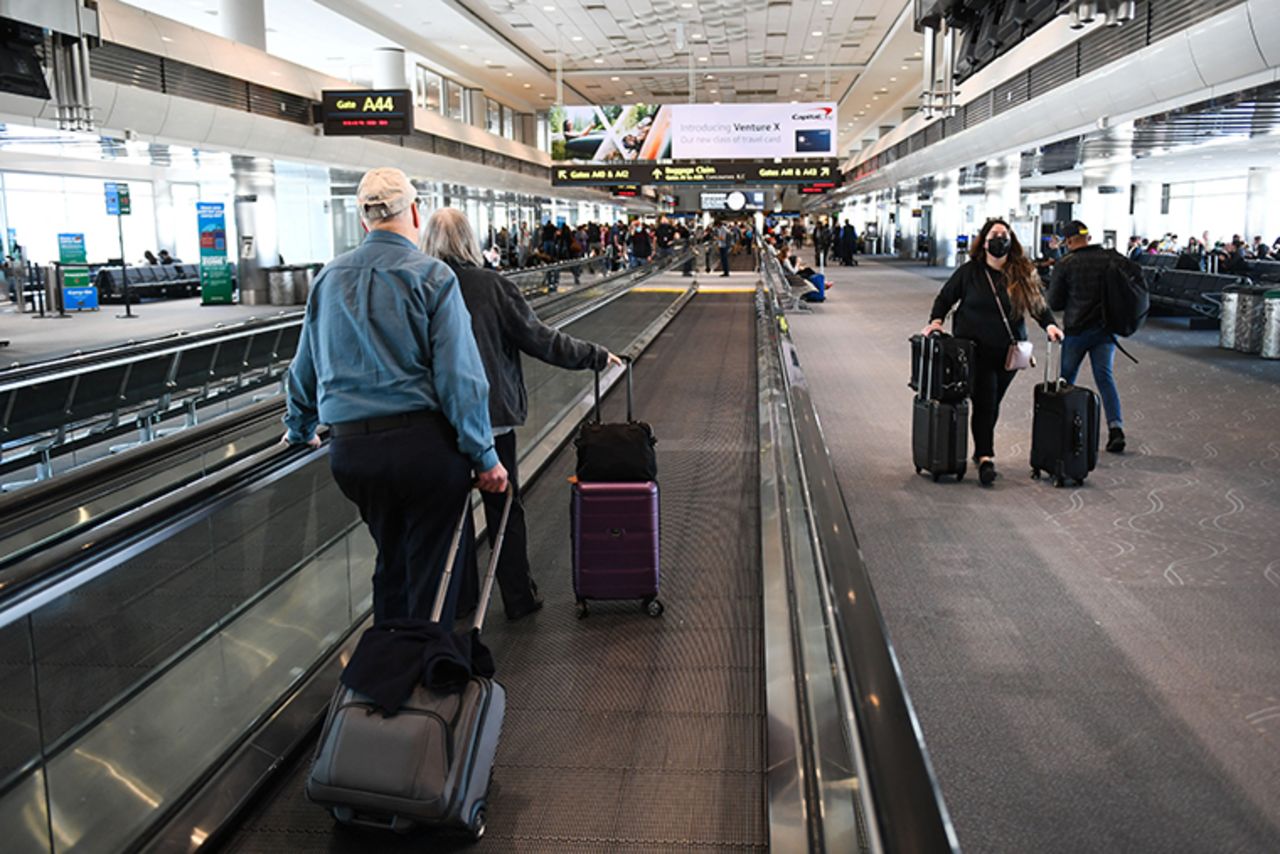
x,y
1115,441
987,473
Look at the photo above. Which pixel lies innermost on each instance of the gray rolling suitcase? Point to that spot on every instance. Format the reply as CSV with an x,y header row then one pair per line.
x,y
428,765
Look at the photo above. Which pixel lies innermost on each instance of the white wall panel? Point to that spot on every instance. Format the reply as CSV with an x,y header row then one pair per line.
x,y
1223,47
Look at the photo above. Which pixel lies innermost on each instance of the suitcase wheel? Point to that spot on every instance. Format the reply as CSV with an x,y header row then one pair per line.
x,y
652,607
583,610
1059,482
1080,482
936,477
1035,474
919,470
960,473
476,826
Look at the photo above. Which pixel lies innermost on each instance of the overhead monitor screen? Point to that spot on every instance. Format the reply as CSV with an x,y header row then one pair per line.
x,y
366,113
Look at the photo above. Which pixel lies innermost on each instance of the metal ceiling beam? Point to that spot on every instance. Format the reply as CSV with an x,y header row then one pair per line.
x,y
641,71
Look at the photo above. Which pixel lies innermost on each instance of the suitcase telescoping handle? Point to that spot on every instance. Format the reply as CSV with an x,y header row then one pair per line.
x,y
1052,361
626,360
455,544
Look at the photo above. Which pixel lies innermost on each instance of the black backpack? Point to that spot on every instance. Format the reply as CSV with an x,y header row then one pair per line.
x,y
1126,299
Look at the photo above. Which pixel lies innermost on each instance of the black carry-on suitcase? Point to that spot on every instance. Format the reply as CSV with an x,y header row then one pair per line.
x,y
1066,426
428,765
939,431
616,453
950,362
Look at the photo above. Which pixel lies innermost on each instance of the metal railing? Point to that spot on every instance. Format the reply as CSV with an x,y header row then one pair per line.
x,y
848,765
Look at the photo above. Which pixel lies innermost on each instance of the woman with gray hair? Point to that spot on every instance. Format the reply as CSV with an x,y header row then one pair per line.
x,y
504,326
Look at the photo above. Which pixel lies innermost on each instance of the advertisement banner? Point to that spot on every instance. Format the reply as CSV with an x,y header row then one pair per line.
x,y
646,132
215,272
78,293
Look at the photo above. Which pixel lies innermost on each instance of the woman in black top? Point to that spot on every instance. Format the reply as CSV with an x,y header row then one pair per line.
x,y
504,326
997,269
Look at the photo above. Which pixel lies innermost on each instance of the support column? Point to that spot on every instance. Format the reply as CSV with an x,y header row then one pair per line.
x,y
1004,188
1261,218
244,21
1148,218
255,212
947,218
389,70
1104,203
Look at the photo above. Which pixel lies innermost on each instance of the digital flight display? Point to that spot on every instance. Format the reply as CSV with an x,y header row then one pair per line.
x,y
366,112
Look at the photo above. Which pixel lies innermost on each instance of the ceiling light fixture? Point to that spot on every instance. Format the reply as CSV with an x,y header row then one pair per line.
x,y
817,32
575,38
615,79
599,61
462,47
628,92
528,85
511,74
548,8
702,59
808,56
803,74
893,79
697,36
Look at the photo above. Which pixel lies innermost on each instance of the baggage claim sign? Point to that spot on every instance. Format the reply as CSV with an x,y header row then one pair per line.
x,y
708,172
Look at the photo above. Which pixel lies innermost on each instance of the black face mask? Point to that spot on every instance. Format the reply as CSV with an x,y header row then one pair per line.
x,y
998,246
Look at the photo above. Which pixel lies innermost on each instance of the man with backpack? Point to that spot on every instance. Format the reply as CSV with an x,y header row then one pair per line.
x,y
1101,294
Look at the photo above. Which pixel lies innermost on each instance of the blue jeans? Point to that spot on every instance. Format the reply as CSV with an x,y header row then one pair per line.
x,y
1101,349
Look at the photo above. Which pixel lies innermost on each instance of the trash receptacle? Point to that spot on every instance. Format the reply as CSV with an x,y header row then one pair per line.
x,y
302,278
1271,325
1227,320
1250,320
280,285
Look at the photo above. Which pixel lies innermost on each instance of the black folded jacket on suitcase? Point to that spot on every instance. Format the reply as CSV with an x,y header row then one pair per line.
x,y
613,453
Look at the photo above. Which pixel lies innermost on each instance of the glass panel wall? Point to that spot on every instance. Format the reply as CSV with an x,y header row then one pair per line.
x,y
508,123
39,207
455,100
493,116
429,86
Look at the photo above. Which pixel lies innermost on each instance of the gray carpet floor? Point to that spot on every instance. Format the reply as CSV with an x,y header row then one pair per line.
x,y
1095,669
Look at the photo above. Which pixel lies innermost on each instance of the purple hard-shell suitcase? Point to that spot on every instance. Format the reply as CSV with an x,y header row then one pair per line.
x,y
615,543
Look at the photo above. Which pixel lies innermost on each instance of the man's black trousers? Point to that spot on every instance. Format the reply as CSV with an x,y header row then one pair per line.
x,y
409,484
514,578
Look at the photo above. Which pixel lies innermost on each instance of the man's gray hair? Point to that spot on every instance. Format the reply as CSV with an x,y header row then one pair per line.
x,y
448,236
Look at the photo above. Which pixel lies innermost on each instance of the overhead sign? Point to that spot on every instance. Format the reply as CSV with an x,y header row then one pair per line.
x,y
706,131
632,133
361,112
626,191
705,172
117,196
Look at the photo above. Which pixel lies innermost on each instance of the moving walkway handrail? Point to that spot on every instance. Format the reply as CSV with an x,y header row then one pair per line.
x,y
900,794
82,359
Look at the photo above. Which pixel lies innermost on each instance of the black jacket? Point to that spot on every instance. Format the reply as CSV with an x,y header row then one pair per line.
x,y
505,326
978,317
1079,281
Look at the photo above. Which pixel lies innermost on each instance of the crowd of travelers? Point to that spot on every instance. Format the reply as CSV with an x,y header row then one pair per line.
x,y
1198,254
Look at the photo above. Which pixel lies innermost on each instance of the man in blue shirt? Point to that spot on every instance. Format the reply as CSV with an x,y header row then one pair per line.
x,y
387,359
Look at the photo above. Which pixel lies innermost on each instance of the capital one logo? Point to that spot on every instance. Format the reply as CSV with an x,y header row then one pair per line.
x,y
816,115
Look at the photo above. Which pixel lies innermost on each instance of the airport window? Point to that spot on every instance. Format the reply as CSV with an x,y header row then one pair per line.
x,y
508,123
455,100
493,116
430,85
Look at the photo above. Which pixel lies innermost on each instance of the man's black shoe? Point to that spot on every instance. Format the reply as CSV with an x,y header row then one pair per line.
x,y
1115,441
987,473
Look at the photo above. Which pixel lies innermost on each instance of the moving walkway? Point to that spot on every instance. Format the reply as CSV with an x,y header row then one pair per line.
x,y
165,670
